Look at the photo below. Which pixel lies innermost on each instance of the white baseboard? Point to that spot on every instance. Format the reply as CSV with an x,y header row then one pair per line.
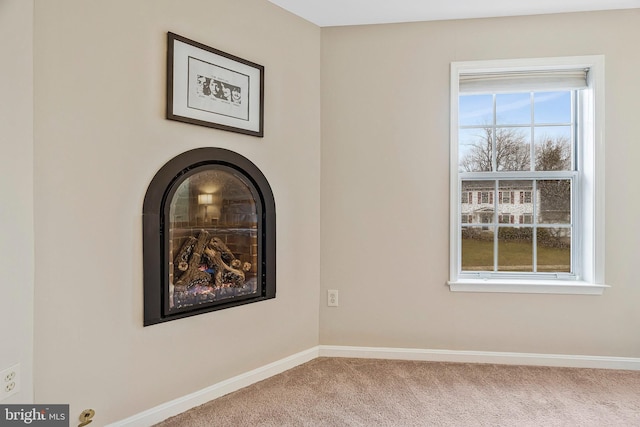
x,y
182,404
502,358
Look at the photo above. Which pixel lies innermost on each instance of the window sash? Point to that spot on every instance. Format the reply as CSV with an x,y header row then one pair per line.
x,y
496,220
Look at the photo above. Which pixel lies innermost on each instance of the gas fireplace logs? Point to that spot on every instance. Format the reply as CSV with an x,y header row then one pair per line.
x,y
207,261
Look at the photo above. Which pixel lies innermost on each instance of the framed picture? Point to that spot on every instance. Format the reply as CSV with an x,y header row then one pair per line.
x,y
212,88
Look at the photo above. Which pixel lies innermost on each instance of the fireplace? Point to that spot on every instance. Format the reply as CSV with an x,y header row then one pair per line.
x,y
208,236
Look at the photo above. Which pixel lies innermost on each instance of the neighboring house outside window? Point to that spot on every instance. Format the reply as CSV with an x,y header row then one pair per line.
x,y
524,131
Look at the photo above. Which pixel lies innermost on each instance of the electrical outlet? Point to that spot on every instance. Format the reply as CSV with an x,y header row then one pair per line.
x,y
9,381
332,298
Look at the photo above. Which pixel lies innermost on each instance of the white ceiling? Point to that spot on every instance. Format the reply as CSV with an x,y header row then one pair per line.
x,y
328,13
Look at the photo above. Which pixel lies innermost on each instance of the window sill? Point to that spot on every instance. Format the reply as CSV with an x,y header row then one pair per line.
x,y
527,286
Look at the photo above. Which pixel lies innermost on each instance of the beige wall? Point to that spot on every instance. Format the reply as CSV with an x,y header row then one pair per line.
x,y
385,174
100,136
16,192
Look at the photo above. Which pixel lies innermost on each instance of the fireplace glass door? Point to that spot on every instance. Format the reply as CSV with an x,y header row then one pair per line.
x,y
213,238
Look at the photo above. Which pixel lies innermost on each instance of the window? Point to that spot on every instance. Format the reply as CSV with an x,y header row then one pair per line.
x,y
526,219
527,131
525,197
505,197
505,218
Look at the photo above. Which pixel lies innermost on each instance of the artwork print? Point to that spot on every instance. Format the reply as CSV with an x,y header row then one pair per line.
x,y
209,87
217,90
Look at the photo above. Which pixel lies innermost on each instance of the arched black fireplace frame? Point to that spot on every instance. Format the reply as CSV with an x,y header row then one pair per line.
x,y
156,235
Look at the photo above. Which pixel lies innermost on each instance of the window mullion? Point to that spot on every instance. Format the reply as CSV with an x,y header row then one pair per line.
x,y
494,154
532,144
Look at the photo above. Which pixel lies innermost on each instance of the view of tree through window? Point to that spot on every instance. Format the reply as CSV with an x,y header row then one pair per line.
x,y
516,163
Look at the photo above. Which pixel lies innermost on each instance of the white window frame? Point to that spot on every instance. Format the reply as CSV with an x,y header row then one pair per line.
x,y
589,262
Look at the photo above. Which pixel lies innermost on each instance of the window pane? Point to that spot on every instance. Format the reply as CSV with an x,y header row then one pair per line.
x,y
513,109
477,248
515,249
553,148
515,199
508,210
475,149
555,201
552,107
480,206
554,249
513,149
475,110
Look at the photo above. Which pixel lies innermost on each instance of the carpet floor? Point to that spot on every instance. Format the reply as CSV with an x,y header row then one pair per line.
x,y
370,392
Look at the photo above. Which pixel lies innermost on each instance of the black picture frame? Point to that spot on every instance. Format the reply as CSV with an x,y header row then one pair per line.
x,y
209,87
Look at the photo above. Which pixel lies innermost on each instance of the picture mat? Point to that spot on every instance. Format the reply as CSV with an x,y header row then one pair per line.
x,y
245,77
